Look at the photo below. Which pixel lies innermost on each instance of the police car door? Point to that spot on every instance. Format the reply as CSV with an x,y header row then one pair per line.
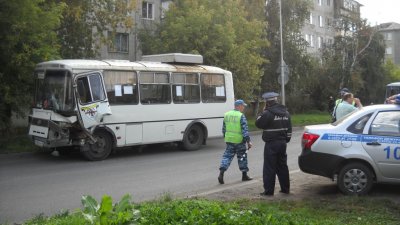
x,y
91,98
383,143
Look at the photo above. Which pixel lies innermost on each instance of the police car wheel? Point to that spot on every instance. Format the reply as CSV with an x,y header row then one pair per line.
x,y
355,179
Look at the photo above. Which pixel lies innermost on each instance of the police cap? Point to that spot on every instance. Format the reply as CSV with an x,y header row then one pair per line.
x,y
270,96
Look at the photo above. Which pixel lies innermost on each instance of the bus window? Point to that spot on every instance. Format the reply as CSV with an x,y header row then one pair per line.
x,y
90,89
154,88
185,88
97,88
213,88
121,87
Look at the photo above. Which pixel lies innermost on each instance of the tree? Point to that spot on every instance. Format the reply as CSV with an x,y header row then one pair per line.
x,y
86,24
392,71
355,60
220,30
27,37
294,52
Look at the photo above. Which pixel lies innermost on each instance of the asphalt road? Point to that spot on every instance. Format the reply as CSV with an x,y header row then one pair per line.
x,y
34,183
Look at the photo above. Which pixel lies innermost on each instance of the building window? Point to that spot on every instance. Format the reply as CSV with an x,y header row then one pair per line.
x,y
147,10
119,42
388,36
164,8
330,42
320,42
311,40
320,2
328,2
388,51
320,21
311,18
308,38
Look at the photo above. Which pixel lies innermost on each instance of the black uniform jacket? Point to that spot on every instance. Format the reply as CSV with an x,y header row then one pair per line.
x,y
276,123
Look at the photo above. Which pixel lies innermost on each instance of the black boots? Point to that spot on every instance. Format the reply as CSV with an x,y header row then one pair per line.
x,y
245,177
221,177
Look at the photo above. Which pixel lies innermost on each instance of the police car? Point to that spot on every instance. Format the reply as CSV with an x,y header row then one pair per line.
x,y
358,150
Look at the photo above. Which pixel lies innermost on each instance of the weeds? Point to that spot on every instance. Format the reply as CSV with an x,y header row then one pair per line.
x,y
344,210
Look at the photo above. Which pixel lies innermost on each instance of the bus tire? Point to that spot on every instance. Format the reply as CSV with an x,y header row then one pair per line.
x,y
101,149
193,138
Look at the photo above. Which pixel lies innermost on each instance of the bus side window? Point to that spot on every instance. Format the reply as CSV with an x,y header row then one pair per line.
x,y
213,88
155,88
121,87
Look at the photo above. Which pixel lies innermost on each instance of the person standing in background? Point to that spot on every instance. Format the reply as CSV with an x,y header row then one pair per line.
x,y
346,106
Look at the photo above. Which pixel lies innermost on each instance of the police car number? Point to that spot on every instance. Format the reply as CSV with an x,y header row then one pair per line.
x,y
395,153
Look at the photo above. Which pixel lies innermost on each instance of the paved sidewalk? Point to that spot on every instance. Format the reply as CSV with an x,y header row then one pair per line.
x,y
302,186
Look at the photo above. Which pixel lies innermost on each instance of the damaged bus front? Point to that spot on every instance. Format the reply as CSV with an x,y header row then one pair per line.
x,y
68,108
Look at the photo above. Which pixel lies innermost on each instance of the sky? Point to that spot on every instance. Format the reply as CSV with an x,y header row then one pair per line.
x,y
380,11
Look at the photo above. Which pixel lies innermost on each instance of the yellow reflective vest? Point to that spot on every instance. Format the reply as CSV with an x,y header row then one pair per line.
x,y
233,128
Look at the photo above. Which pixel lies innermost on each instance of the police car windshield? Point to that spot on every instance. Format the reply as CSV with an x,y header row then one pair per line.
x,y
337,122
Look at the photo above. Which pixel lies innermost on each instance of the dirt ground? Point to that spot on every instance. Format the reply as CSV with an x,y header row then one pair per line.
x,y
303,186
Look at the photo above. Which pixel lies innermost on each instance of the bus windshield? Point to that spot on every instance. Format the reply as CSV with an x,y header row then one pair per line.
x,y
54,90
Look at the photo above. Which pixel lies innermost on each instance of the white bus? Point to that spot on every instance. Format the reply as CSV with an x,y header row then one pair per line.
x,y
102,105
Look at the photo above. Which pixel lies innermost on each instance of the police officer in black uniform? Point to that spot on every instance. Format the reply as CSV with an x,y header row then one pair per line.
x,y
277,126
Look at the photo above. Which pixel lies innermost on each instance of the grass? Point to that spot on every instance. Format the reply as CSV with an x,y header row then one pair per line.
x,y
343,210
299,120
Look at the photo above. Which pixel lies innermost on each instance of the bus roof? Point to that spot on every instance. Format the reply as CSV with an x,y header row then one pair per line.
x,y
86,65
394,84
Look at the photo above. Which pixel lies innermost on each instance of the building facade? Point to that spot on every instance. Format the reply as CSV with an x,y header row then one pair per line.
x,y
391,34
325,20
125,43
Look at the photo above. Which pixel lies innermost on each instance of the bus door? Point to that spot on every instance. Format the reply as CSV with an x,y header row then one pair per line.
x,y
91,98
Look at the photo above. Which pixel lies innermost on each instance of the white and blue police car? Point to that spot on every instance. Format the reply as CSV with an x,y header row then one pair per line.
x,y
358,150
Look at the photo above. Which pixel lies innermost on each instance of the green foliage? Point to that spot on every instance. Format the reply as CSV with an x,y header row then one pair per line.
x,y
338,210
200,212
105,213
220,30
294,52
64,218
28,37
355,61
392,71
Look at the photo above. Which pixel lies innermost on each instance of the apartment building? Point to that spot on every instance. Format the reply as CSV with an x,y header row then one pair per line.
x,y
391,34
324,22
125,42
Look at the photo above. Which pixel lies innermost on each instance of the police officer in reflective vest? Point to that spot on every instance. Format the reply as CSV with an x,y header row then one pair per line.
x,y
236,136
277,126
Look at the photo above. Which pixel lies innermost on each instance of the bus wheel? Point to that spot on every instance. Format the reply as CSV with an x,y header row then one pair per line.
x,y
193,138
101,149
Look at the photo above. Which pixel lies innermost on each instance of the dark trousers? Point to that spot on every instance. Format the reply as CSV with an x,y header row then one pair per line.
x,y
275,163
